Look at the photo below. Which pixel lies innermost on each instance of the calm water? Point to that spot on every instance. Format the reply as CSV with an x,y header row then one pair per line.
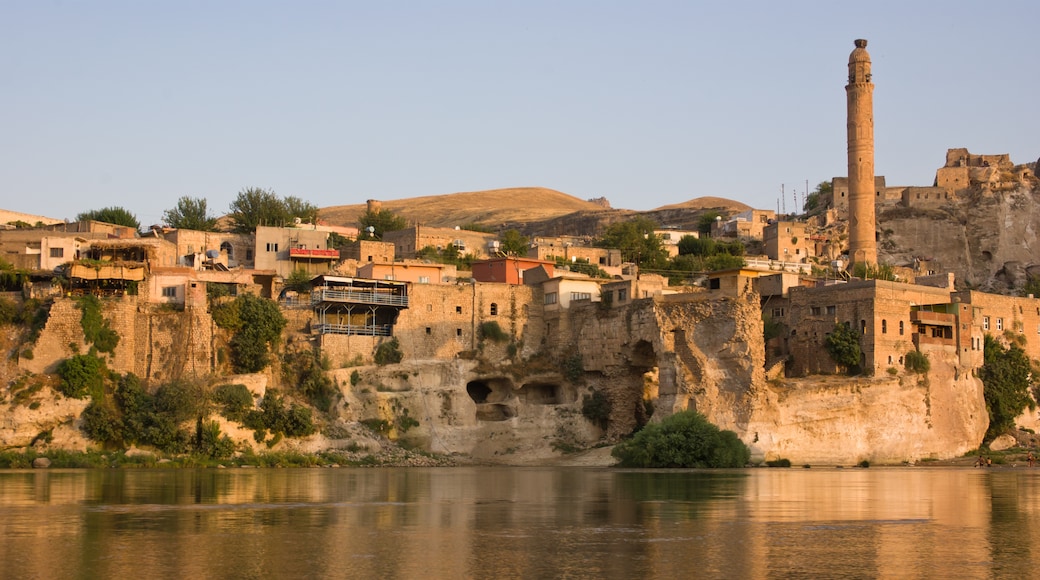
x,y
520,523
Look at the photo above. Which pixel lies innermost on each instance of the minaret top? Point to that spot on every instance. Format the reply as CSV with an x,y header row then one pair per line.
x,y
859,63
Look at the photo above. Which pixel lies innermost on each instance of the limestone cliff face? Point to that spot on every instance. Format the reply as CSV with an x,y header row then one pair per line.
x,y
987,238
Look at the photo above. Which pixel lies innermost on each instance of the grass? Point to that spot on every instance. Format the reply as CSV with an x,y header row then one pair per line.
x,y
117,459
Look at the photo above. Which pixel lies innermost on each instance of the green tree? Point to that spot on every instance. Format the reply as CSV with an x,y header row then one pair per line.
x,y
637,242
298,208
843,346
685,439
380,221
257,207
111,215
814,200
705,220
513,243
257,325
1006,375
190,213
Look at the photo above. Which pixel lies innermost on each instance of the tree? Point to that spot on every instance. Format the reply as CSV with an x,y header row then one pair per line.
x,y
1006,375
813,200
256,325
257,207
843,346
298,208
111,215
513,243
380,221
190,213
705,220
637,242
685,439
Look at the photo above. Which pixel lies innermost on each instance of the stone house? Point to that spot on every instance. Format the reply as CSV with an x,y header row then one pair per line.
x,y
892,318
409,271
286,250
508,270
788,241
410,240
746,225
197,248
369,251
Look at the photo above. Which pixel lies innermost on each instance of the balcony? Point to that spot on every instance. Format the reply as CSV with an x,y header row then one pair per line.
x,y
932,318
353,329
312,254
319,295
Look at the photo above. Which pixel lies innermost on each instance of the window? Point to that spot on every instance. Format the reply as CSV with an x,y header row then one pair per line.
x,y
550,298
272,247
388,277
778,313
169,291
1000,324
458,310
249,254
424,279
622,294
494,309
581,296
429,330
226,247
714,284
985,322
57,252
458,332
863,326
884,326
815,310
831,309
900,328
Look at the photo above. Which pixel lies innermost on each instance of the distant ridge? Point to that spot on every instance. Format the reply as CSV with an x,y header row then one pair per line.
x,y
490,208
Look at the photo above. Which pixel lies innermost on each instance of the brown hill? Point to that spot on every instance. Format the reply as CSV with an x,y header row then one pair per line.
x,y
492,208
704,203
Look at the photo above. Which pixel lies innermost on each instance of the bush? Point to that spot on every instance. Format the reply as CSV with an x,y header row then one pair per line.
x,y
917,362
685,439
389,352
574,367
778,463
101,423
492,331
95,328
596,407
234,401
307,372
81,376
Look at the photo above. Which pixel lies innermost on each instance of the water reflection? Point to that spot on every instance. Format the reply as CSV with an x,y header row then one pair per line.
x,y
520,523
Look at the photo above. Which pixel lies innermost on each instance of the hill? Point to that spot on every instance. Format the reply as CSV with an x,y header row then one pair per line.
x,y
491,208
533,210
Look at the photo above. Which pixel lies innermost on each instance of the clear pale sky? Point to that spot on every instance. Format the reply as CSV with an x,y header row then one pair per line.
x,y
645,103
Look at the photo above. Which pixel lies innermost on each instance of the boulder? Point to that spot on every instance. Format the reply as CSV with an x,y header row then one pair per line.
x,y
1005,441
41,463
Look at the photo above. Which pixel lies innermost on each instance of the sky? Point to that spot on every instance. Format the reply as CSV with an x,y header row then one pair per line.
x,y
135,104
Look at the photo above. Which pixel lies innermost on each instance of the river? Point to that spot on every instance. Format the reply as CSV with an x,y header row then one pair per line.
x,y
501,522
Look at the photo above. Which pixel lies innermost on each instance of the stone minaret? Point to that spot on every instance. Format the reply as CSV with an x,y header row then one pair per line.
x,y
860,91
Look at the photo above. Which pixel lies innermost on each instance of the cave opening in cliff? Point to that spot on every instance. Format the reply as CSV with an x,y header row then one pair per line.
x,y
490,390
642,355
478,391
545,394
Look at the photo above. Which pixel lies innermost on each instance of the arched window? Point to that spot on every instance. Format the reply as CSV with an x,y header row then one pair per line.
x,y
227,247
494,309
900,328
884,326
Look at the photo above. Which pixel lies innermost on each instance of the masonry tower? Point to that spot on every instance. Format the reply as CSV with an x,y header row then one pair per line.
x,y
860,93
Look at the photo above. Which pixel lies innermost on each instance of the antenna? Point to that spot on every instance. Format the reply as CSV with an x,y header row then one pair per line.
x,y
783,198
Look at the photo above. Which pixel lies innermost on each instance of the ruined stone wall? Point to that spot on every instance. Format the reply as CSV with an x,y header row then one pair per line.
x,y
155,343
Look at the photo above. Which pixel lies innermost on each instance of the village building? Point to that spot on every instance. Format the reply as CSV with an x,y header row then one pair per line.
x,y
197,249
412,271
286,250
409,241
508,270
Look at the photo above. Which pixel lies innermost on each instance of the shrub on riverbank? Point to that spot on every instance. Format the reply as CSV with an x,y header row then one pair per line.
x,y
685,439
